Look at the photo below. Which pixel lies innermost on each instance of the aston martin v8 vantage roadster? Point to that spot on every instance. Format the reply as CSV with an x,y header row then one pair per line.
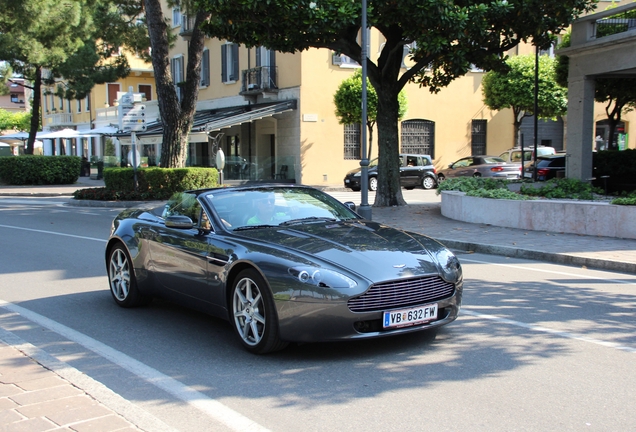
x,y
282,263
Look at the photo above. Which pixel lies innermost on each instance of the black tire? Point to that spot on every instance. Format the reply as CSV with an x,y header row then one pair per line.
x,y
476,175
373,184
428,182
122,281
253,314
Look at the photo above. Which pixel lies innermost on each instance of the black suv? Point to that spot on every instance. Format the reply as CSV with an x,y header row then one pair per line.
x,y
415,170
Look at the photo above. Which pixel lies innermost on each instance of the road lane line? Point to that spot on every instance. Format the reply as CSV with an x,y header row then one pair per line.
x,y
53,232
618,281
561,333
214,409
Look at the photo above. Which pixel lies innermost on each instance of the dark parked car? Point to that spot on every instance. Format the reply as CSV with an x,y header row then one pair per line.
x,y
548,167
283,263
415,170
481,166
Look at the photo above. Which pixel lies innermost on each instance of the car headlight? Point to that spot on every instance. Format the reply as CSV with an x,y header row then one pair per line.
x,y
451,270
321,277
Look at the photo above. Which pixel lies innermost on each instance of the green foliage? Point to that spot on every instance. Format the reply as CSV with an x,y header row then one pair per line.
x,y
5,73
497,194
563,189
10,120
40,170
515,87
629,200
348,101
468,184
153,183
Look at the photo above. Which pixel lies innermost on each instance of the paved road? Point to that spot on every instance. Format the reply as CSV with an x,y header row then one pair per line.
x,y
538,347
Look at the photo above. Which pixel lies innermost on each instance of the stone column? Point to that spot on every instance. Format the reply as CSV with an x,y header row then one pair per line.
x,y
580,131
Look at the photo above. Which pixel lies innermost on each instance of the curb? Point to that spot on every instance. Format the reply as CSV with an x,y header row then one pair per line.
x,y
558,258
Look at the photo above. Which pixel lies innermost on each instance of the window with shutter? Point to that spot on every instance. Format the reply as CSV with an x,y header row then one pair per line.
x,y
205,68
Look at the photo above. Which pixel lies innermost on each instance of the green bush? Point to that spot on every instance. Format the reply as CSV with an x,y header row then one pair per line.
x,y
497,194
152,183
467,184
40,170
563,189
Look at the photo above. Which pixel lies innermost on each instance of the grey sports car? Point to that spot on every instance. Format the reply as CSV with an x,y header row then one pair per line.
x,y
283,263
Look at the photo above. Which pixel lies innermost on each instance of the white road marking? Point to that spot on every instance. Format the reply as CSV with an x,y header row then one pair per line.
x,y
214,409
541,329
53,232
618,281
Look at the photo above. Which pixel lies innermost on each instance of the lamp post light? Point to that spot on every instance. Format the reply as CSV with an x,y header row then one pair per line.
x,y
365,208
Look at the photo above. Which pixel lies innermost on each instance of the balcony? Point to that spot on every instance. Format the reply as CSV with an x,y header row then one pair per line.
x,y
260,80
58,119
187,27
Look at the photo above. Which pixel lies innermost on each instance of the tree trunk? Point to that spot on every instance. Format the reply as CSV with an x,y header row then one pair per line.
x,y
35,111
176,115
389,191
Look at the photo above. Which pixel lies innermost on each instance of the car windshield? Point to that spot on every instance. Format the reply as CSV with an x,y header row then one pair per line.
x,y
263,207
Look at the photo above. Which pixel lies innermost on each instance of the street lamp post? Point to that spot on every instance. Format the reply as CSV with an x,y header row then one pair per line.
x,y
365,208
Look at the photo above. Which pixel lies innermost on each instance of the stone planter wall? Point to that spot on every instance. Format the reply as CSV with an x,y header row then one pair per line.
x,y
563,216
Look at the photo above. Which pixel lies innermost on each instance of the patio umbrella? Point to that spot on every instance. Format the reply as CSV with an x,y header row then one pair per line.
x,y
97,132
64,133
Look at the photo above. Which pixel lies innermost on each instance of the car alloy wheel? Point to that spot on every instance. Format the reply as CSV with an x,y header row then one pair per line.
x,y
253,314
428,182
373,183
121,278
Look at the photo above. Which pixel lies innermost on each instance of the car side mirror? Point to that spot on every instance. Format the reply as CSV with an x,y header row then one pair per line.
x,y
450,165
179,222
351,205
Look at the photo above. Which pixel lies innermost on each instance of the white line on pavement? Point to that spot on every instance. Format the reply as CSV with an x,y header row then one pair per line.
x,y
541,329
54,233
214,409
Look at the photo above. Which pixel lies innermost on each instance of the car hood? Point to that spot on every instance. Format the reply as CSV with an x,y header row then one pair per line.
x,y
372,250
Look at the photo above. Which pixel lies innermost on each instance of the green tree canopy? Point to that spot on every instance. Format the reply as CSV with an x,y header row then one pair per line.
x,y
444,38
14,120
62,37
514,89
348,102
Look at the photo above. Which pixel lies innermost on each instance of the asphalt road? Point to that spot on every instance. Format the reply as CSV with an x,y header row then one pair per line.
x,y
537,347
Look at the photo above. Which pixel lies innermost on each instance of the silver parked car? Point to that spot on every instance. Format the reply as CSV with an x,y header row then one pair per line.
x,y
481,166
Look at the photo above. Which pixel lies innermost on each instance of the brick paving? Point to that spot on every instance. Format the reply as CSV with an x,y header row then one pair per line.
x,y
36,399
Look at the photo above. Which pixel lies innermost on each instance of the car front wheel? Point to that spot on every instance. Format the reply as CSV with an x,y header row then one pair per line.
x,y
428,182
121,278
254,314
373,183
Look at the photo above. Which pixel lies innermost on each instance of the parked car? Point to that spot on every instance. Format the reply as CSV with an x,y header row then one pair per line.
x,y
548,167
481,166
415,170
282,263
514,154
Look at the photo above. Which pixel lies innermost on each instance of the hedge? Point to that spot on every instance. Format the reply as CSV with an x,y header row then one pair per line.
x,y
152,183
39,170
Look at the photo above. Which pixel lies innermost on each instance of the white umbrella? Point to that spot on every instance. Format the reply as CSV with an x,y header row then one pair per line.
x,y
15,136
104,130
64,133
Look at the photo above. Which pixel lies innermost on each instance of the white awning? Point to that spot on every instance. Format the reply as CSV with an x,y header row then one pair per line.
x,y
64,133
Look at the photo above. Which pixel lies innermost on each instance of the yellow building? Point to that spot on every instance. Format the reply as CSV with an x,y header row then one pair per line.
x,y
94,117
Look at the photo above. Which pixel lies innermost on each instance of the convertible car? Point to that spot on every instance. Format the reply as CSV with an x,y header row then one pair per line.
x,y
282,263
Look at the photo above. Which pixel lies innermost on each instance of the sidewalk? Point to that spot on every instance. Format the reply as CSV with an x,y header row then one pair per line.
x,y
35,396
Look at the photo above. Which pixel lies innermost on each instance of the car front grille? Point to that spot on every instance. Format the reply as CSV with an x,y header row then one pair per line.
x,y
401,293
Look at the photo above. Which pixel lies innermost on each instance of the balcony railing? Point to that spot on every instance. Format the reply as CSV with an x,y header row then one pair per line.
x,y
259,79
187,26
619,23
58,119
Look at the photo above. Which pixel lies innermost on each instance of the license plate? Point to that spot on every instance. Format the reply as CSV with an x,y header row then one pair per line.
x,y
410,317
